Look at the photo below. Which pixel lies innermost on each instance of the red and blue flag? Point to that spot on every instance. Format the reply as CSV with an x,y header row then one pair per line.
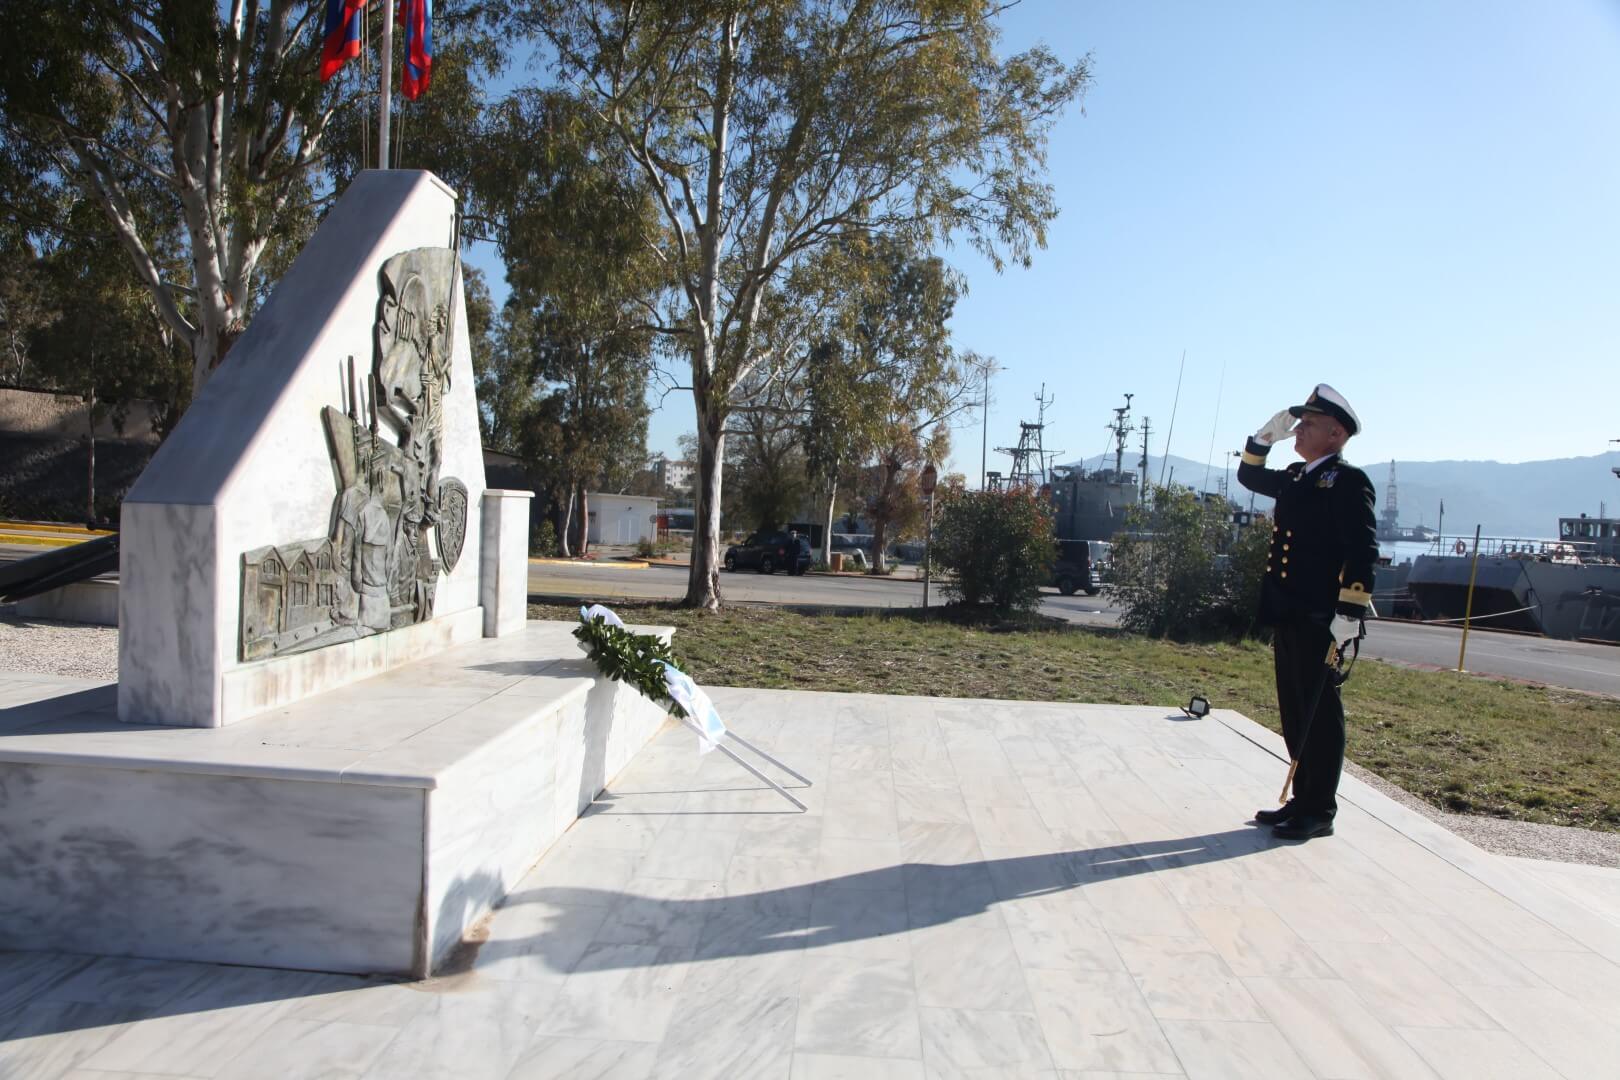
x,y
416,16
341,42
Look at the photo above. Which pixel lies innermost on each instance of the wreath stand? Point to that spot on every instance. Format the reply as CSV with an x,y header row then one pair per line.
x,y
645,662
732,736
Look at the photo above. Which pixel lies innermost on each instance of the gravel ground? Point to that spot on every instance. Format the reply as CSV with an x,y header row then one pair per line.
x,y
1525,839
47,647
91,652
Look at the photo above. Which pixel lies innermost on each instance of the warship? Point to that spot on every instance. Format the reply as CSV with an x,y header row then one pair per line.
x,y
1565,587
1088,505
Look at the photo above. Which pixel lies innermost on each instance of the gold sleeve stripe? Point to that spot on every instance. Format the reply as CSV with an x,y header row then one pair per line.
x,y
1253,459
1355,595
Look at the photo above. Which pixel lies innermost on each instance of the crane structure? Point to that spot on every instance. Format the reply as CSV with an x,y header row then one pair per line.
x,y
1390,515
1031,461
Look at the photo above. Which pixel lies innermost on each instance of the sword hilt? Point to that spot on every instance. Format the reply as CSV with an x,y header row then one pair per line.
x,y
1293,767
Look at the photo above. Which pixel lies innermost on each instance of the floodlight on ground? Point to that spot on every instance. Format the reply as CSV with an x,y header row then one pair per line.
x,y
1197,708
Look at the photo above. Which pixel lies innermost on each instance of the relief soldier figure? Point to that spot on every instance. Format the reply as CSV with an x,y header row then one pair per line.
x,y
390,493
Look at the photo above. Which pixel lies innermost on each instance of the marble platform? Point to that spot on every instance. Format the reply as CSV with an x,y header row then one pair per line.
x,y
361,830
980,889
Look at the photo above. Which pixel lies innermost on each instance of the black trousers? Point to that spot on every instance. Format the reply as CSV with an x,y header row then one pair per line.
x,y
1300,652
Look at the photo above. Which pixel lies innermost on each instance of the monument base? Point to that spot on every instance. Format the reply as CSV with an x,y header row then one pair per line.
x,y
362,830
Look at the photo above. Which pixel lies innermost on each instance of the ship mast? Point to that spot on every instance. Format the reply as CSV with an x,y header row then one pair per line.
x,y
1121,427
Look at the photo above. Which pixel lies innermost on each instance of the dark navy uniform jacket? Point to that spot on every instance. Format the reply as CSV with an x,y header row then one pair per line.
x,y
1324,541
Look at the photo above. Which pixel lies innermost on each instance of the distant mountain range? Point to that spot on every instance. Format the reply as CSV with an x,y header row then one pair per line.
x,y
1522,500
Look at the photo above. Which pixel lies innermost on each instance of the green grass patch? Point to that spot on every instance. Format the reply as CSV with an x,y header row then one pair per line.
x,y
1464,743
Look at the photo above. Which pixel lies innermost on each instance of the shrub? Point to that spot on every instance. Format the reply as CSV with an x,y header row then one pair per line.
x,y
1180,572
997,547
545,539
646,549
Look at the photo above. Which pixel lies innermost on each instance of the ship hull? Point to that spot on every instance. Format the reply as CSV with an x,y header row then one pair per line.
x,y
1558,600
1577,601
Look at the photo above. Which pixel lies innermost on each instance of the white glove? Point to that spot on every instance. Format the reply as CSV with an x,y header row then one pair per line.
x,y
1345,628
1276,429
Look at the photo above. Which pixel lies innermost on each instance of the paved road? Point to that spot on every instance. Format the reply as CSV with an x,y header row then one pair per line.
x,y
1574,664
669,583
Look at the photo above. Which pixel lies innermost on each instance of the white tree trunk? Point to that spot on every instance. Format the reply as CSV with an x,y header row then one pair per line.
x,y
703,581
826,533
567,524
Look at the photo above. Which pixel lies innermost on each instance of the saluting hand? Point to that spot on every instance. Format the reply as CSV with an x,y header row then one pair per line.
x,y
1276,429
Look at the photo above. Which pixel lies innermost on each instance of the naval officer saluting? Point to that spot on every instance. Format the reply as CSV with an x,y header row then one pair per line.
x,y
1320,571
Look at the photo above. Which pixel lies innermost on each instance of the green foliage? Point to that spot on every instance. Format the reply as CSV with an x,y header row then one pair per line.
x,y
201,139
1179,573
90,328
767,480
625,656
1245,570
646,549
883,379
766,131
566,383
998,547
545,539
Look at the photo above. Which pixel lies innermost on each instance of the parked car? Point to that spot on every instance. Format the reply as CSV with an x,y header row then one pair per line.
x,y
769,551
1080,566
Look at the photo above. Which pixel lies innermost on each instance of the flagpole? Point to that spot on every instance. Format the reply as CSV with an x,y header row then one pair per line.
x,y
383,108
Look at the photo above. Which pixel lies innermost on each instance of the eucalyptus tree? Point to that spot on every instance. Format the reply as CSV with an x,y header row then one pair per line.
x,y
886,382
196,125
767,128
576,348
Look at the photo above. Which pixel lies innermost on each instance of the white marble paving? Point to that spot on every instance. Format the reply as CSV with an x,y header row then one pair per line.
x,y
1069,911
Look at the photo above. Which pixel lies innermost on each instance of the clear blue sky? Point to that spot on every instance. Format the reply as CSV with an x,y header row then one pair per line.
x,y
1418,203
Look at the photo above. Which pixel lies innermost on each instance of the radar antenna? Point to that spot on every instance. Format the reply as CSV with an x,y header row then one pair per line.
x,y
1121,428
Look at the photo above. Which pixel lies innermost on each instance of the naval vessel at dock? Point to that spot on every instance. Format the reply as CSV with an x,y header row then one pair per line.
x,y
1566,587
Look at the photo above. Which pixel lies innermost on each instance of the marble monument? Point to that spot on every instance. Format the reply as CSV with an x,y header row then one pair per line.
x,y
336,741
315,516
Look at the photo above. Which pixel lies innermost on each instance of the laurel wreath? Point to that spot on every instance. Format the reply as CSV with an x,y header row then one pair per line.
x,y
628,657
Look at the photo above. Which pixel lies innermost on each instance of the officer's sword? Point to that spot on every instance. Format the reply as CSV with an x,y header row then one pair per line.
x,y
1330,670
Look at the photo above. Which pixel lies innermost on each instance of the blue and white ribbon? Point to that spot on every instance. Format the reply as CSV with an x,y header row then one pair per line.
x,y
690,697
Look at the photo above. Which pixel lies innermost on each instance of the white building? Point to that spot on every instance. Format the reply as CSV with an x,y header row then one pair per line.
x,y
675,475
621,519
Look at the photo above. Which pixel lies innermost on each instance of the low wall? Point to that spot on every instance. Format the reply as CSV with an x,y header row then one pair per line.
x,y
46,414
94,602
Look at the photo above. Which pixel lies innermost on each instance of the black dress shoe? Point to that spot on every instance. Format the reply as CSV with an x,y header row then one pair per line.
x,y
1303,827
1277,816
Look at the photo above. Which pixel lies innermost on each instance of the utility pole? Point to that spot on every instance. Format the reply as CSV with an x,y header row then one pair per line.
x,y
1147,429
984,425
